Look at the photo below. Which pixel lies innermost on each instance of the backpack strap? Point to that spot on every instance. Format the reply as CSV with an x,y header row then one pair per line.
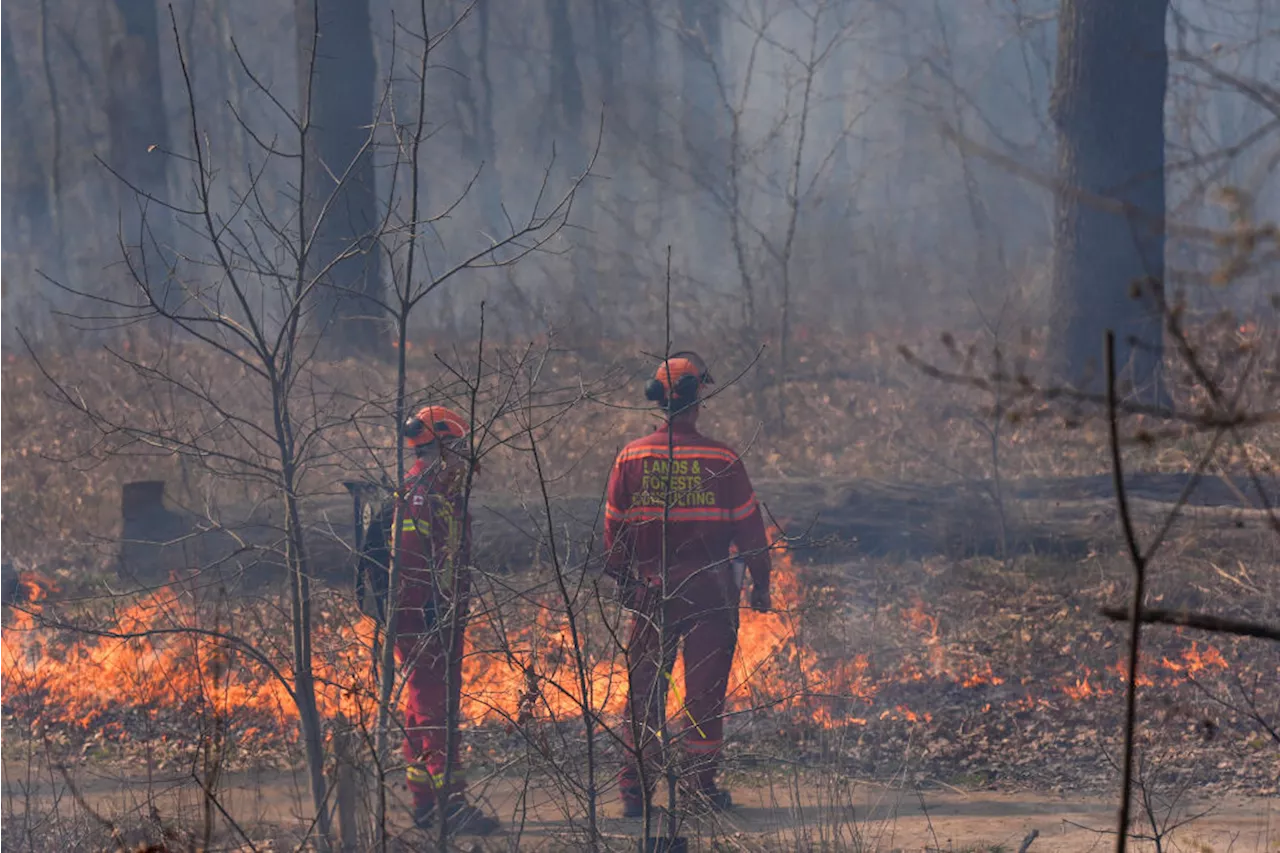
x,y
373,568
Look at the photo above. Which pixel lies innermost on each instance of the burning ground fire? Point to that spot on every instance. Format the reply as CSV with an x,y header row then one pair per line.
x,y
112,687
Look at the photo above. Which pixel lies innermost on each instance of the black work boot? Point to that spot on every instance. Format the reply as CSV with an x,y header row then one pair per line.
x,y
424,815
632,803
462,818
707,800
719,800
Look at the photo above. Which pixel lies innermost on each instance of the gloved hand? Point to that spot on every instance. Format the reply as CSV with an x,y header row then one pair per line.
x,y
629,589
760,600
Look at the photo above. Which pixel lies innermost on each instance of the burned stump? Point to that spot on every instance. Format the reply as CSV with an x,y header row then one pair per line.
x,y
153,539
157,542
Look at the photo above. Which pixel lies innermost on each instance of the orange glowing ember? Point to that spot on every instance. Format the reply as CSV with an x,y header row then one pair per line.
x,y
1121,671
1082,689
1195,661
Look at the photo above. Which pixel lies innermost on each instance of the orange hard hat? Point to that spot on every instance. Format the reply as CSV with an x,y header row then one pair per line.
x,y
680,376
434,423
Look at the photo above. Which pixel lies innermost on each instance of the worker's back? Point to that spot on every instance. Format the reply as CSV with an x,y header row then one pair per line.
x,y
678,488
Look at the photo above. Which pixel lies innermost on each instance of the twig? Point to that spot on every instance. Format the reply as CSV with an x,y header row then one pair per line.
x,y
106,823
1190,619
1135,607
1026,842
927,819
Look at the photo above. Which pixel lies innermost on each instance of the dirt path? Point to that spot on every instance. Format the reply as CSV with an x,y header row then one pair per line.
x,y
780,816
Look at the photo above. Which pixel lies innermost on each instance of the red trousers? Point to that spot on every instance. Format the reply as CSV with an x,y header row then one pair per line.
x,y
703,613
431,656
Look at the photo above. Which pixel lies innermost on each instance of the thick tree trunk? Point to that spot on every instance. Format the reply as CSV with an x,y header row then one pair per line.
x,y
54,181
337,74
1108,108
27,210
139,138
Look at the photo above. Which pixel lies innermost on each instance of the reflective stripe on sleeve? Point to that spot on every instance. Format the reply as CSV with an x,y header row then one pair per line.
x,y
744,511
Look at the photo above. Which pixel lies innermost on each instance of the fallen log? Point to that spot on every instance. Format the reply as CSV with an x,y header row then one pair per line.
x,y
823,520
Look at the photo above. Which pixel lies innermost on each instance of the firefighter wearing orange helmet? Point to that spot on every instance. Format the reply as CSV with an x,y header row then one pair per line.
x,y
677,501
433,531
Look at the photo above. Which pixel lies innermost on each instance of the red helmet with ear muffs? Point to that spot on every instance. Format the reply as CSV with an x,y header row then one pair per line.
x,y
678,380
434,423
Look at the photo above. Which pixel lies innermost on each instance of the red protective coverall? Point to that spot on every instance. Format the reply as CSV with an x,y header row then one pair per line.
x,y
434,541
700,489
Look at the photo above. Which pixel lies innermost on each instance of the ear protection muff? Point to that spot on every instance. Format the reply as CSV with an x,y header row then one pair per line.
x,y
413,428
686,387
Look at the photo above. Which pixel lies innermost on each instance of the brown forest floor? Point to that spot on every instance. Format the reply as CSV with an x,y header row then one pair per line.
x,y
994,686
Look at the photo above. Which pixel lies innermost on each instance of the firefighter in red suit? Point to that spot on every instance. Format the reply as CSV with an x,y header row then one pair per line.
x,y
434,544
679,488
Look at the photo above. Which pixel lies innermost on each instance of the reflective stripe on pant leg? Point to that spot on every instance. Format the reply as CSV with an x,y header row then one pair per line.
x,y
418,774
702,747
700,760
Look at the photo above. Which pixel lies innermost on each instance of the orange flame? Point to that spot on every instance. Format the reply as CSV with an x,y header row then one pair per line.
x,y
174,658
1121,671
1194,661
1082,689
534,674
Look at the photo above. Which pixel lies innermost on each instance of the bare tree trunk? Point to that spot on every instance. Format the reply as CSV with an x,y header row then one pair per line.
x,y
700,120
55,143
990,257
470,103
642,146
139,134
310,723
1108,107
26,194
490,178
607,47
220,15
568,104
651,123
337,75
795,201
